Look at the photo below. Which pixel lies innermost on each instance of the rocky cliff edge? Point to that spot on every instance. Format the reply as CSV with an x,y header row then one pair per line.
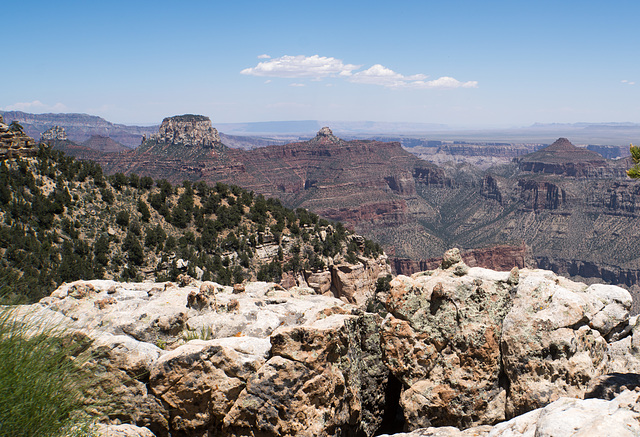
x,y
454,347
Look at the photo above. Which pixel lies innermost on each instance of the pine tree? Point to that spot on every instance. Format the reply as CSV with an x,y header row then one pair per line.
x,y
634,172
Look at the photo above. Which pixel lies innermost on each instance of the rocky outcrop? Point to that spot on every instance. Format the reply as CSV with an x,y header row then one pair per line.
x,y
104,144
554,338
352,283
536,195
565,417
325,378
188,130
325,136
80,127
473,346
14,142
55,133
124,430
457,346
249,358
57,138
389,213
441,339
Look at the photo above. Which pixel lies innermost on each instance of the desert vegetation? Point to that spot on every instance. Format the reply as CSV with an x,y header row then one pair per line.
x,y
42,382
62,219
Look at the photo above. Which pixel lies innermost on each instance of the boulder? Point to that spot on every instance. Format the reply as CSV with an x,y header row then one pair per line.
x,y
473,346
201,380
572,417
441,339
123,430
325,378
565,417
552,338
458,346
356,283
122,365
189,360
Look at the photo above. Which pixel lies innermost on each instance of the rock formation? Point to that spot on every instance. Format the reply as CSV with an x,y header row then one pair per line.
x,y
368,184
501,258
188,130
80,127
55,133
564,158
257,357
104,144
325,136
481,154
14,142
456,346
565,417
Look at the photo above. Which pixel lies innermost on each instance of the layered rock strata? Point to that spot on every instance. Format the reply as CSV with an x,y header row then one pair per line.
x,y
80,127
567,204
14,142
501,258
563,158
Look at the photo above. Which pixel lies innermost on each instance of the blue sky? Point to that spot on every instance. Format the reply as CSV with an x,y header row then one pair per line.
x,y
461,63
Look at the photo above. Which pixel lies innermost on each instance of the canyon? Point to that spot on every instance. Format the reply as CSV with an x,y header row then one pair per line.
x,y
447,347
560,207
572,209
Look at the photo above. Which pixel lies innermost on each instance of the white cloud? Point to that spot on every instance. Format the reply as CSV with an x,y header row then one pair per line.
x,y
267,81
318,67
264,56
628,82
381,75
301,66
297,84
444,82
36,106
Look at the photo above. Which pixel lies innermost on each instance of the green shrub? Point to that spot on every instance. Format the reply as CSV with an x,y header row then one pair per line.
x,y
383,284
41,383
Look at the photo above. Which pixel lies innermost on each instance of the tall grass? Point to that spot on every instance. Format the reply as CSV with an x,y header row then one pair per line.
x,y
41,380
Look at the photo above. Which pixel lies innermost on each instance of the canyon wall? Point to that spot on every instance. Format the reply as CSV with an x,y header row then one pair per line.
x,y
562,202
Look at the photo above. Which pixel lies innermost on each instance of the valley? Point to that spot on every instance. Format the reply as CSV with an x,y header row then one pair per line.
x,y
163,250
560,207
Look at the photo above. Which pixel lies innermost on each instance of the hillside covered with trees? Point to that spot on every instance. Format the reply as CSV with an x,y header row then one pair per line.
x,y
62,219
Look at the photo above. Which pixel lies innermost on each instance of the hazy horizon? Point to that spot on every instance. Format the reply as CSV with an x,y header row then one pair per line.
x,y
460,63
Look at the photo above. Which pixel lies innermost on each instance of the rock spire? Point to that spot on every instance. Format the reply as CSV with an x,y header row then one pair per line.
x,y
325,135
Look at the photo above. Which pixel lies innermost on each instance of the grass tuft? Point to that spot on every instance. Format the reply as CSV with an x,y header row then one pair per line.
x,y
41,380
